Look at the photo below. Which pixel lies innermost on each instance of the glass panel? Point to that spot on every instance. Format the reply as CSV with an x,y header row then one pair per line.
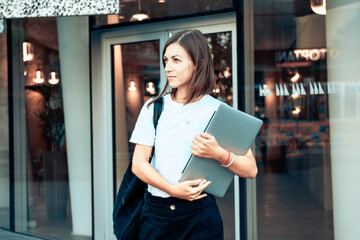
x,y
155,9
294,184
52,169
221,47
4,137
136,78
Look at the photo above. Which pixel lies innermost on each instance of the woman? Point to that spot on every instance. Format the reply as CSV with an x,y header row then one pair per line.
x,y
174,210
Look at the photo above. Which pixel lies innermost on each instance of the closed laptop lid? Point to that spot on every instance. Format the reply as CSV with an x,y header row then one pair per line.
x,y
232,129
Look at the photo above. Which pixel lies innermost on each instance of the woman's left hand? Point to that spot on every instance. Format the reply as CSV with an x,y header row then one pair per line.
x,y
206,146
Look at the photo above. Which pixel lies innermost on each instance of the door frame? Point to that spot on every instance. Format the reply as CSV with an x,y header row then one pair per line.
x,y
102,115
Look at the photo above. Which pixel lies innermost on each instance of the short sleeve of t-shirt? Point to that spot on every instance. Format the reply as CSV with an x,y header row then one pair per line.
x,y
144,132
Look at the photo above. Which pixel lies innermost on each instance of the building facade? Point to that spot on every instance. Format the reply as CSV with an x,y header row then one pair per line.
x,y
71,88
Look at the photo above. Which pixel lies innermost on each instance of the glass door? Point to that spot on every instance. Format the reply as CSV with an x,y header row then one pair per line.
x,y
136,76
126,71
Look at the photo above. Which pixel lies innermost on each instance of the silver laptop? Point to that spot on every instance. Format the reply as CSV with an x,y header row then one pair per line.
x,y
232,129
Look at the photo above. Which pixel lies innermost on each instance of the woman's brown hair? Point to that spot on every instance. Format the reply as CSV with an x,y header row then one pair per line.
x,y
203,79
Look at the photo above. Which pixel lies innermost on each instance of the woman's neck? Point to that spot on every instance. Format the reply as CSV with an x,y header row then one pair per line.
x,y
180,97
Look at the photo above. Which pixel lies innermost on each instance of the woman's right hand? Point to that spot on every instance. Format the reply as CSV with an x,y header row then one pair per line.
x,y
190,190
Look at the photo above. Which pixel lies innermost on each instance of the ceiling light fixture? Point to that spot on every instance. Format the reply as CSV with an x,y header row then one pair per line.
x,y
140,15
39,77
53,78
318,6
150,88
132,87
295,78
28,51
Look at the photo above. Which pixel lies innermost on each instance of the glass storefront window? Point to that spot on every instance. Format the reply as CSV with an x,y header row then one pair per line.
x,y
157,9
48,179
56,128
4,137
294,182
305,174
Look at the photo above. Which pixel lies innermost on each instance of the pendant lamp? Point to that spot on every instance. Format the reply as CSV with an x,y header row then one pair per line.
x,y
318,6
140,15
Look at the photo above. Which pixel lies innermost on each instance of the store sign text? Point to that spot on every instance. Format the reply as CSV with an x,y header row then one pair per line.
x,y
297,55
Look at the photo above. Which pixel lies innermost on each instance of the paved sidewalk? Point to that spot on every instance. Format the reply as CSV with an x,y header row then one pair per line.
x,y
7,235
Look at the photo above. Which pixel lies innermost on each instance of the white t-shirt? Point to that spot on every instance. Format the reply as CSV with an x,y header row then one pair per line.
x,y
177,127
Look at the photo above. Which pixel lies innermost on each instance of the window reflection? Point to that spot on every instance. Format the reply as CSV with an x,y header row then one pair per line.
x,y
48,178
291,96
136,78
49,208
221,47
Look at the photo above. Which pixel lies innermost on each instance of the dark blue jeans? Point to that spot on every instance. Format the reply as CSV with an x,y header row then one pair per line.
x,y
177,219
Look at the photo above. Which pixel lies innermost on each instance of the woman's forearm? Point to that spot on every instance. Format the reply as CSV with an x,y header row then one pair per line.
x,y
244,166
143,169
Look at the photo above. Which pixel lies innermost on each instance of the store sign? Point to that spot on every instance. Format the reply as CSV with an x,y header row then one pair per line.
x,y
50,8
307,55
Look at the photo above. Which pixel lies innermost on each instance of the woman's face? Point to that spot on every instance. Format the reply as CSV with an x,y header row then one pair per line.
x,y
178,66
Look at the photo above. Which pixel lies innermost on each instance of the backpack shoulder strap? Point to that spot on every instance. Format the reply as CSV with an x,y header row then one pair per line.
x,y
158,107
